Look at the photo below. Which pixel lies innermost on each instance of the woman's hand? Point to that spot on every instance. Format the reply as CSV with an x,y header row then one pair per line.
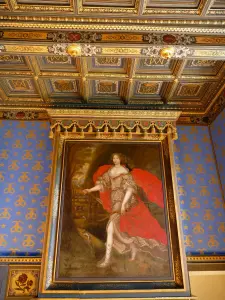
x,y
86,191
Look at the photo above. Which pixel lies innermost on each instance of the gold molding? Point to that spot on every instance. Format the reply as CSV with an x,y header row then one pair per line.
x,y
117,26
16,73
59,74
23,260
26,49
35,109
205,258
209,53
208,22
107,10
52,8
154,77
115,114
169,11
140,298
121,51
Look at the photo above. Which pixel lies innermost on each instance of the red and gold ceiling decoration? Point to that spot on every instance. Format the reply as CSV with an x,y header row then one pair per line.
x,y
135,54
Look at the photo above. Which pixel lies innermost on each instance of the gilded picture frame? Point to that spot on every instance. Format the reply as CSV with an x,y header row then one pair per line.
x,y
131,134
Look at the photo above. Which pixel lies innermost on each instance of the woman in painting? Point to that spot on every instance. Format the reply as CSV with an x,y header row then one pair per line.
x,y
131,227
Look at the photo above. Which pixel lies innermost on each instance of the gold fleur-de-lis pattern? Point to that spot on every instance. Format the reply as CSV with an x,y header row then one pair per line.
x,y
25,174
201,201
218,131
25,170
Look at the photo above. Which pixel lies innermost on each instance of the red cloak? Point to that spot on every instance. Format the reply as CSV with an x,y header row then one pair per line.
x,y
138,221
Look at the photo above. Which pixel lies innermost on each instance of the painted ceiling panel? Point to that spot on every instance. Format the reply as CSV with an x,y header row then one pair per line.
x,y
110,80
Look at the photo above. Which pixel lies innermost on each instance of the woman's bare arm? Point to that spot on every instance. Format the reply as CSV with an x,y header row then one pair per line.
x,y
95,188
126,198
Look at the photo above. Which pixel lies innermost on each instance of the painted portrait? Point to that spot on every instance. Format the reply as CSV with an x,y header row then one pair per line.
x,y
113,222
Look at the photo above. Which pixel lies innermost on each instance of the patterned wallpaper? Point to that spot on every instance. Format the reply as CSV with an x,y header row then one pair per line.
x,y
201,202
217,131
25,162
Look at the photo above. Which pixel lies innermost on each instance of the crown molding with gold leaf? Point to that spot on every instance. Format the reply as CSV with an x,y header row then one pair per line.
x,y
114,26
115,114
119,20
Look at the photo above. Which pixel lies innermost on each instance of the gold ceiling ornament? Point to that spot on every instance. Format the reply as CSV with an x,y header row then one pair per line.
x,y
74,50
167,52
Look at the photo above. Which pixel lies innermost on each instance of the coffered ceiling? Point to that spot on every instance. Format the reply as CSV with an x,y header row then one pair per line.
x,y
117,61
110,80
117,8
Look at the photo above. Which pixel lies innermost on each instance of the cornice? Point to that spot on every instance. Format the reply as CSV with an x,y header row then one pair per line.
x,y
118,27
115,114
146,21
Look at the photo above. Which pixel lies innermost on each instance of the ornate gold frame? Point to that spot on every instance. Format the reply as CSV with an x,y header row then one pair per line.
x,y
127,126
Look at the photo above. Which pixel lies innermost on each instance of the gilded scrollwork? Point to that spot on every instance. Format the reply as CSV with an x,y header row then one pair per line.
x,y
85,49
74,36
164,39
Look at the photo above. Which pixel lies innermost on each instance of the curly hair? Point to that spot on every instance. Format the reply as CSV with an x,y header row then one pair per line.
x,y
122,157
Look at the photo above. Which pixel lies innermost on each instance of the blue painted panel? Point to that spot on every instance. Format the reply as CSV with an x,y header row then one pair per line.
x,y
202,206
218,136
25,162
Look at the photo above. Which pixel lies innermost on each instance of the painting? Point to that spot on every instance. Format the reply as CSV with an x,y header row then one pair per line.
x,y
113,229
114,212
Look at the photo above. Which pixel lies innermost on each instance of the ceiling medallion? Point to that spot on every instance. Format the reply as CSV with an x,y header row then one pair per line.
x,y
74,50
167,52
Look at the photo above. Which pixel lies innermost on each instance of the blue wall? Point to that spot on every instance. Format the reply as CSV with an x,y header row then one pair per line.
x,y
218,136
25,161
201,202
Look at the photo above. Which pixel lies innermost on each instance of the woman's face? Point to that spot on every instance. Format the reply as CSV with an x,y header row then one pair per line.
x,y
116,160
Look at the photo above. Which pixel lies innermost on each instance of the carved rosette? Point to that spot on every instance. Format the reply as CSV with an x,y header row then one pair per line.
x,y
85,49
23,282
2,48
179,51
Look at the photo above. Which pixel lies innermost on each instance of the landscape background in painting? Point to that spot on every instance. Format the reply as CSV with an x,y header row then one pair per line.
x,y
84,221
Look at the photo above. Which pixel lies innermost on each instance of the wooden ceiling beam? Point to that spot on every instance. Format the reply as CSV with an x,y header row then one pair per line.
x,y
39,84
206,7
83,82
131,74
142,6
176,80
